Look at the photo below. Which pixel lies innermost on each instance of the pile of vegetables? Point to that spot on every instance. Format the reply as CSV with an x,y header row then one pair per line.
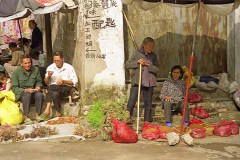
x,y
103,110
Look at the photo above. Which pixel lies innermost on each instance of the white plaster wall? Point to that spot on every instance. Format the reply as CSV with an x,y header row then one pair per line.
x,y
104,44
237,45
111,44
233,51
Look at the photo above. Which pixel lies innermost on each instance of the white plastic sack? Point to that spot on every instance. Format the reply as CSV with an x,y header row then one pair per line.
x,y
236,97
224,82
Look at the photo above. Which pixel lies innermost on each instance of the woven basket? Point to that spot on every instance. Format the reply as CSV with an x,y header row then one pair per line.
x,y
106,133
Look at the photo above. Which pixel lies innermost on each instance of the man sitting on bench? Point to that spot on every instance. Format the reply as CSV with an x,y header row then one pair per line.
x,y
60,78
27,83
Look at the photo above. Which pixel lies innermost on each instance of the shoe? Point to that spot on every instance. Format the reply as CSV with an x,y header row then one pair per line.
x,y
168,124
43,117
28,121
185,123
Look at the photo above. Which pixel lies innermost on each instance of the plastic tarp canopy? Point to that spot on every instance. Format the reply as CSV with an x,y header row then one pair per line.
x,y
16,9
220,7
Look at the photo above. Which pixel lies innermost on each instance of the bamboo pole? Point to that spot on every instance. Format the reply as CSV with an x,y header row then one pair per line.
x,y
190,70
139,93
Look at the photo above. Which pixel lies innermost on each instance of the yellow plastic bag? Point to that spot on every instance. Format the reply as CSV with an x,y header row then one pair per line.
x,y
185,76
9,112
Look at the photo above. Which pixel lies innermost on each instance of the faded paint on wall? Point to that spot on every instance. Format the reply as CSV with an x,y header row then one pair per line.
x,y
173,29
233,45
92,40
111,45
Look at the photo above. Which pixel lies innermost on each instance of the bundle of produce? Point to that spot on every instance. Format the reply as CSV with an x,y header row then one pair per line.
x,y
62,120
84,131
8,132
41,131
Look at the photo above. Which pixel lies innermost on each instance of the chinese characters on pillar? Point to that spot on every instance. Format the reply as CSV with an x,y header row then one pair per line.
x,y
94,23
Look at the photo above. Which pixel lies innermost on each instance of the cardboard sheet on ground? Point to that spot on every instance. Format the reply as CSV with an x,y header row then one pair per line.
x,y
64,131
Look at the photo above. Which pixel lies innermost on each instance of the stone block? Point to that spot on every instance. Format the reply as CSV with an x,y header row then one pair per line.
x,y
70,110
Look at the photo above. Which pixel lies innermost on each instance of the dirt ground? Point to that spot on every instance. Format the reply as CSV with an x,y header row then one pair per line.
x,y
210,148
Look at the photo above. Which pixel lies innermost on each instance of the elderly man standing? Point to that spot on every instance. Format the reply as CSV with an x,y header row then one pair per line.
x,y
15,62
149,61
60,78
27,83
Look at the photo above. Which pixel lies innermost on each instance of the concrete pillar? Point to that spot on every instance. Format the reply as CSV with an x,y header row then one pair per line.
x,y
103,57
233,45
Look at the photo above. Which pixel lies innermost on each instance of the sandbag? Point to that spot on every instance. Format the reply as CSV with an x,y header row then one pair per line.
x,y
199,112
233,126
198,132
194,120
122,133
9,112
236,97
222,130
195,98
150,132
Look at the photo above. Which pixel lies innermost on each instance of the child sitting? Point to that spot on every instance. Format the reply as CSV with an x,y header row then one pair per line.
x,y
5,81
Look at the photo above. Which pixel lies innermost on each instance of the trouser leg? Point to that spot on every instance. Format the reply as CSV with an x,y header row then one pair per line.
x,y
167,111
26,101
54,93
62,92
56,100
187,111
38,96
147,98
132,99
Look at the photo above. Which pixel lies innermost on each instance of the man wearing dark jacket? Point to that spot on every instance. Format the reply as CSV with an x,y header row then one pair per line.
x,y
37,39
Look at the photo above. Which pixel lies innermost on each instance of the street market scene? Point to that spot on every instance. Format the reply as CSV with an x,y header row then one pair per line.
x,y
119,79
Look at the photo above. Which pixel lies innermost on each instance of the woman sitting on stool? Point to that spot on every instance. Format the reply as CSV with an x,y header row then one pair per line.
x,y
172,95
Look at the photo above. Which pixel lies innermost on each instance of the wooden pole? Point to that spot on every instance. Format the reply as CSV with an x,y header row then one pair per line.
x,y
190,70
20,30
131,32
139,93
48,37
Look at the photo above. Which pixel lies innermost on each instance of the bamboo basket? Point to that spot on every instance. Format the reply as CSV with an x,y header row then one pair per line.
x,y
106,133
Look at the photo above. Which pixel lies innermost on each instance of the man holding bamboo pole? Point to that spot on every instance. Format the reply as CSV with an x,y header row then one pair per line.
x,y
149,62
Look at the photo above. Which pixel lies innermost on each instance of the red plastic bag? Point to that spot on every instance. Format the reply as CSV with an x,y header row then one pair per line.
x,y
164,130
198,132
222,130
233,126
122,133
163,135
195,98
200,113
150,132
195,121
